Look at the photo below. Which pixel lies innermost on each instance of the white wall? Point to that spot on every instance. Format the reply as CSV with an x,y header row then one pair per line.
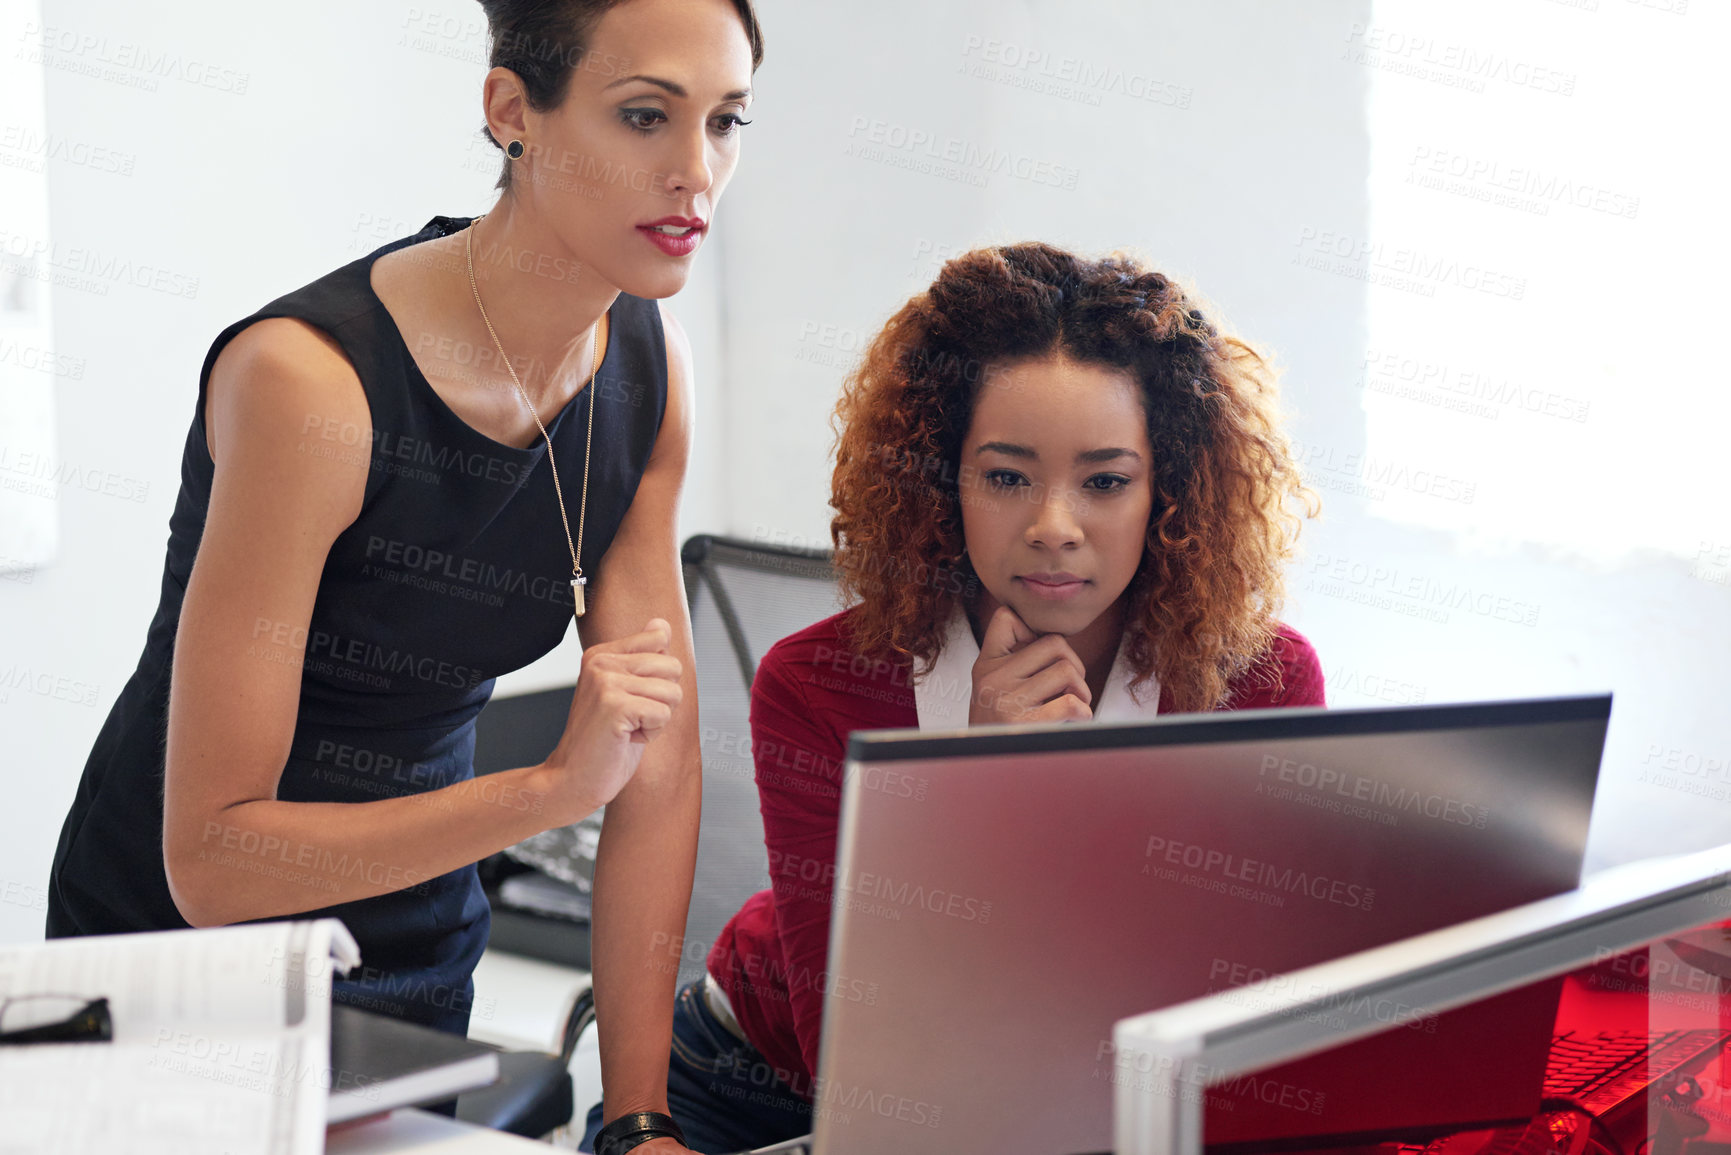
x,y
1240,133
29,369
1301,126
1256,131
1544,244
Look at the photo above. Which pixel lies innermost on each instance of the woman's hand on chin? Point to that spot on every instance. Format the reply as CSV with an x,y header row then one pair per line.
x,y
1021,676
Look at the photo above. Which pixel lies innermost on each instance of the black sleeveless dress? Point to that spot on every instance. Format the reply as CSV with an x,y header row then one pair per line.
x,y
456,571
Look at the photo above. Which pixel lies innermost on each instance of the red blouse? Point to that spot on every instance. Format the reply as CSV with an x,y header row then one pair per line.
x,y
811,691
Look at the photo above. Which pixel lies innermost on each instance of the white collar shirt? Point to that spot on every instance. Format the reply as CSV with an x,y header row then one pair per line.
x,y
942,694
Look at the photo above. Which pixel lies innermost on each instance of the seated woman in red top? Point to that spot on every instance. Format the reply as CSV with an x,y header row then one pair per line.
x,y
1061,493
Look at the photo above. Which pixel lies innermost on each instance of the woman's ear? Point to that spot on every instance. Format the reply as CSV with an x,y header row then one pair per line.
x,y
505,104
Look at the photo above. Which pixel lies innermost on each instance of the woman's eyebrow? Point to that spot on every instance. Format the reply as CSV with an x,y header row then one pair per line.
x,y
1094,456
673,88
676,89
1086,457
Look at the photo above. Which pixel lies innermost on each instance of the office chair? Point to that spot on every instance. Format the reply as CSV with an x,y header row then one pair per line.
x,y
743,598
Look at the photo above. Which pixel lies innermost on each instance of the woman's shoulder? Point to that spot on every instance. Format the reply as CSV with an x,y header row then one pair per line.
x,y
339,308
821,663
1287,674
346,295
823,645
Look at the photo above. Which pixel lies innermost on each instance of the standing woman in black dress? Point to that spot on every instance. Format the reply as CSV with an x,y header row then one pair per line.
x,y
401,481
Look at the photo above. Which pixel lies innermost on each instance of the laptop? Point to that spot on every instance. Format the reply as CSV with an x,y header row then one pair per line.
x,y
1040,883
380,1062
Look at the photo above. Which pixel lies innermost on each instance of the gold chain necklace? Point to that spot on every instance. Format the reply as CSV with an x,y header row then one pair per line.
x,y
578,581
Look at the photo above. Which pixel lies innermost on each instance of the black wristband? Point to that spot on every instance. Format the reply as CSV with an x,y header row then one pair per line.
x,y
637,1128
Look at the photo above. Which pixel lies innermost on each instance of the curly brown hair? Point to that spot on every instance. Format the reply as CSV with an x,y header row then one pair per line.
x,y
1204,602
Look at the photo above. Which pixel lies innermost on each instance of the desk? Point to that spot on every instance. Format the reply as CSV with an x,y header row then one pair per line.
x,y
407,1129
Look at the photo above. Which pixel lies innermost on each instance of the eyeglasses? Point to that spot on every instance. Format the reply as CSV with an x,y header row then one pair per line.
x,y
54,1019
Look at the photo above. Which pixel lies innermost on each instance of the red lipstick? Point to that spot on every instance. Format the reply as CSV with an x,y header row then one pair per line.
x,y
675,236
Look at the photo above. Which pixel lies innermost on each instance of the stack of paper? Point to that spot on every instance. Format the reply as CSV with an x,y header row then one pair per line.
x,y
221,1042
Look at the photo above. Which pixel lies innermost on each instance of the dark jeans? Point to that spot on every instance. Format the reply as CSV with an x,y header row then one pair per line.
x,y
722,1092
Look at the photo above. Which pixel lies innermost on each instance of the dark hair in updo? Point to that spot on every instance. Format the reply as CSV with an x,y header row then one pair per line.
x,y
1227,493
544,41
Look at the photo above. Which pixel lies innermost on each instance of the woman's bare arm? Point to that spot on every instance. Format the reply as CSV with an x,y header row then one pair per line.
x,y
649,839
232,851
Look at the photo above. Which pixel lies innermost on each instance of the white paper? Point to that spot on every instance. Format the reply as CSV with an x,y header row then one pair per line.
x,y
221,1042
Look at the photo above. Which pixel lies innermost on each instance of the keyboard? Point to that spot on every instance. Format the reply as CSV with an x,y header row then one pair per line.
x,y
1602,1072
1599,1072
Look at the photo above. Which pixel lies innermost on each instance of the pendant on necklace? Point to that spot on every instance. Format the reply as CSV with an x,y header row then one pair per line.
x,y
577,584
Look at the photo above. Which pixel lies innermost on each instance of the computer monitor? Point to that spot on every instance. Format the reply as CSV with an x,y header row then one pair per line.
x,y
1640,1059
1006,894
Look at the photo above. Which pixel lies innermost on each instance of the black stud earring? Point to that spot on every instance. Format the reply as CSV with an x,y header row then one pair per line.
x,y
514,150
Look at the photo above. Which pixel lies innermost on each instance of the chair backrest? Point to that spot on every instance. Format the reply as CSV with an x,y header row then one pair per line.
x,y
745,596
